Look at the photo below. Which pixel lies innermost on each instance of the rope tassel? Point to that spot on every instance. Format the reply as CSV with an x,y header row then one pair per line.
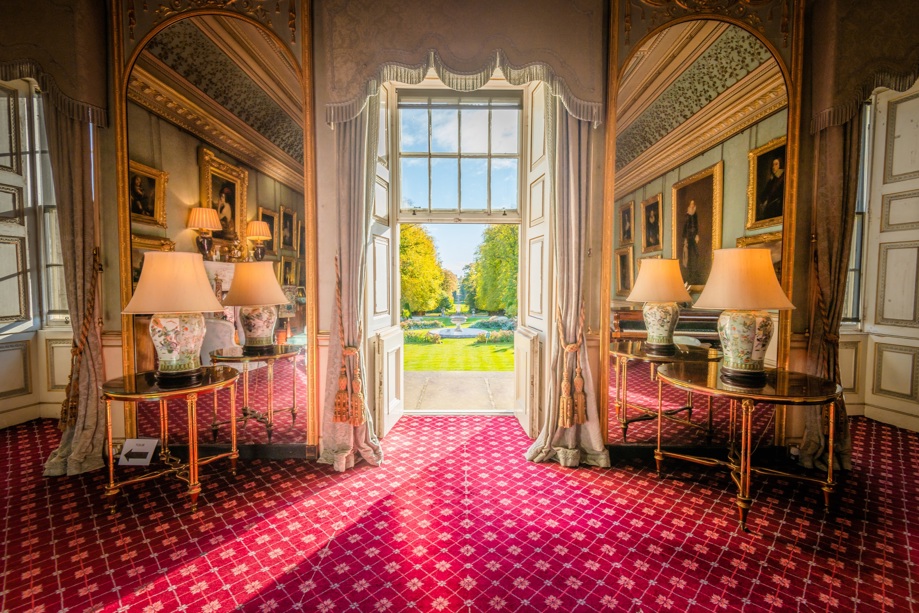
x,y
342,404
357,402
580,398
565,413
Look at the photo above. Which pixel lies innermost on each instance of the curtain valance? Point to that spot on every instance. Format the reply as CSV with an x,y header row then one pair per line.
x,y
856,47
370,42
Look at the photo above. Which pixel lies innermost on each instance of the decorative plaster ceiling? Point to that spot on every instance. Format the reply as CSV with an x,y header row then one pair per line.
x,y
228,83
687,89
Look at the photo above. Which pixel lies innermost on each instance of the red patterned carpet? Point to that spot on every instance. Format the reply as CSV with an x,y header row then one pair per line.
x,y
457,520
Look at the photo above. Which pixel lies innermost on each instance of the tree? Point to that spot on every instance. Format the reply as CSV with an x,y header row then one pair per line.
x,y
422,274
468,283
496,265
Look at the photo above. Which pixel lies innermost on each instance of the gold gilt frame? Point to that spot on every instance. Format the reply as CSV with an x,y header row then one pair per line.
x,y
626,219
216,173
759,160
786,44
140,245
160,178
133,26
694,189
625,271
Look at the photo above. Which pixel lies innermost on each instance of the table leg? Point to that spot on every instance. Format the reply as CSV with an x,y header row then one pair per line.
x,y
270,422
293,407
164,429
110,489
689,406
623,396
194,488
245,394
214,426
658,457
711,431
234,452
830,485
743,481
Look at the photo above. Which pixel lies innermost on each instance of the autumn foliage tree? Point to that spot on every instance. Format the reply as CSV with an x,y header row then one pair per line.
x,y
422,273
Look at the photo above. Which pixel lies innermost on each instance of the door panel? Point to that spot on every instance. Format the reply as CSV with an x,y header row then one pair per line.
x,y
390,400
527,379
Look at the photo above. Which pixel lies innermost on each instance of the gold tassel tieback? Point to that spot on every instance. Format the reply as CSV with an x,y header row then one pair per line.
x,y
580,398
572,408
342,405
357,402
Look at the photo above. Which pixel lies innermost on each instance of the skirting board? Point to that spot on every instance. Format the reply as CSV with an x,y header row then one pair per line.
x,y
894,418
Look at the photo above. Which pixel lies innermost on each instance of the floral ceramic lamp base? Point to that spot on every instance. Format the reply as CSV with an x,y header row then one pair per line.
x,y
177,338
660,321
258,324
745,336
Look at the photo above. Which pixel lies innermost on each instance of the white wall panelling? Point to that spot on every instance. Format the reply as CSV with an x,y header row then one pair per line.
x,y
897,272
14,283
16,366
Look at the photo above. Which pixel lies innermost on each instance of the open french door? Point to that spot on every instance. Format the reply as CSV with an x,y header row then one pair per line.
x,y
532,340
383,333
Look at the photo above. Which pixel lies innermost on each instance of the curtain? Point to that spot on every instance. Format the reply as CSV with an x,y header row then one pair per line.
x,y
347,424
83,416
570,434
837,160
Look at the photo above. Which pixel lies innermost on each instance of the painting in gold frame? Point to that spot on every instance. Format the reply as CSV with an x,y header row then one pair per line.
x,y
139,246
651,224
224,187
771,241
624,271
766,188
287,270
627,223
147,194
271,218
287,232
696,227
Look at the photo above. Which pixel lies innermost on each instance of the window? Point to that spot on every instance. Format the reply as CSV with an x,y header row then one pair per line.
x,y
27,206
459,154
852,309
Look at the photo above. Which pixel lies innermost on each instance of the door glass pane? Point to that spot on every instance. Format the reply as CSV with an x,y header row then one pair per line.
x,y
414,183
444,184
474,184
474,137
504,132
413,136
503,184
444,130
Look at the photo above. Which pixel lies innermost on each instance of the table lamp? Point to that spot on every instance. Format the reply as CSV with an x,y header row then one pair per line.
x,y
173,286
660,286
744,284
258,232
203,220
255,289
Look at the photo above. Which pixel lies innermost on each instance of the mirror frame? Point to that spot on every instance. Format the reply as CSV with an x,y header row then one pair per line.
x,y
122,68
793,83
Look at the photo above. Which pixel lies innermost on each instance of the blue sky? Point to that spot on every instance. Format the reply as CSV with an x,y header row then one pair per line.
x,y
456,243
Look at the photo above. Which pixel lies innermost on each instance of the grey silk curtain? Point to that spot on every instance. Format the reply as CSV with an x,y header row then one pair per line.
x,y
83,417
570,166
344,442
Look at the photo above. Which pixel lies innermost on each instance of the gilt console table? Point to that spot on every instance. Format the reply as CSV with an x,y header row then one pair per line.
x,y
783,387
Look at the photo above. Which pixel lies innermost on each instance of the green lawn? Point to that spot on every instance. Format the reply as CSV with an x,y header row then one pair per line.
x,y
460,354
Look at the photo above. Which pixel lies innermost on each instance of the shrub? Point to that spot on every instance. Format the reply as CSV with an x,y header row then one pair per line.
x,y
420,324
499,336
497,323
422,338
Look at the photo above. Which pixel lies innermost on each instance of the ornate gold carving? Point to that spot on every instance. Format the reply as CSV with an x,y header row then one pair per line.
x,y
292,20
251,8
661,11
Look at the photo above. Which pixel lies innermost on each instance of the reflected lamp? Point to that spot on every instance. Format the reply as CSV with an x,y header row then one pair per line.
x,y
660,286
258,232
743,283
255,289
203,220
173,286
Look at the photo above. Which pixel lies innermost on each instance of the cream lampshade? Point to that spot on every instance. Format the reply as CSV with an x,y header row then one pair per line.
x,y
173,286
258,231
256,290
660,286
743,282
203,220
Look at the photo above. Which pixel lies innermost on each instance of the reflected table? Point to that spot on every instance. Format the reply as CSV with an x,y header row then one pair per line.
x,y
144,386
269,355
782,387
624,352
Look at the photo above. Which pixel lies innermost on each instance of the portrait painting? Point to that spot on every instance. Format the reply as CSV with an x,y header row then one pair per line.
x,y
147,194
224,187
651,225
626,223
288,229
766,189
624,272
771,241
696,224
287,271
140,245
271,218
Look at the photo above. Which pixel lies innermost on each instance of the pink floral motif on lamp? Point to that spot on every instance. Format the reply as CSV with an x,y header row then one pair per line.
x,y
256,290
